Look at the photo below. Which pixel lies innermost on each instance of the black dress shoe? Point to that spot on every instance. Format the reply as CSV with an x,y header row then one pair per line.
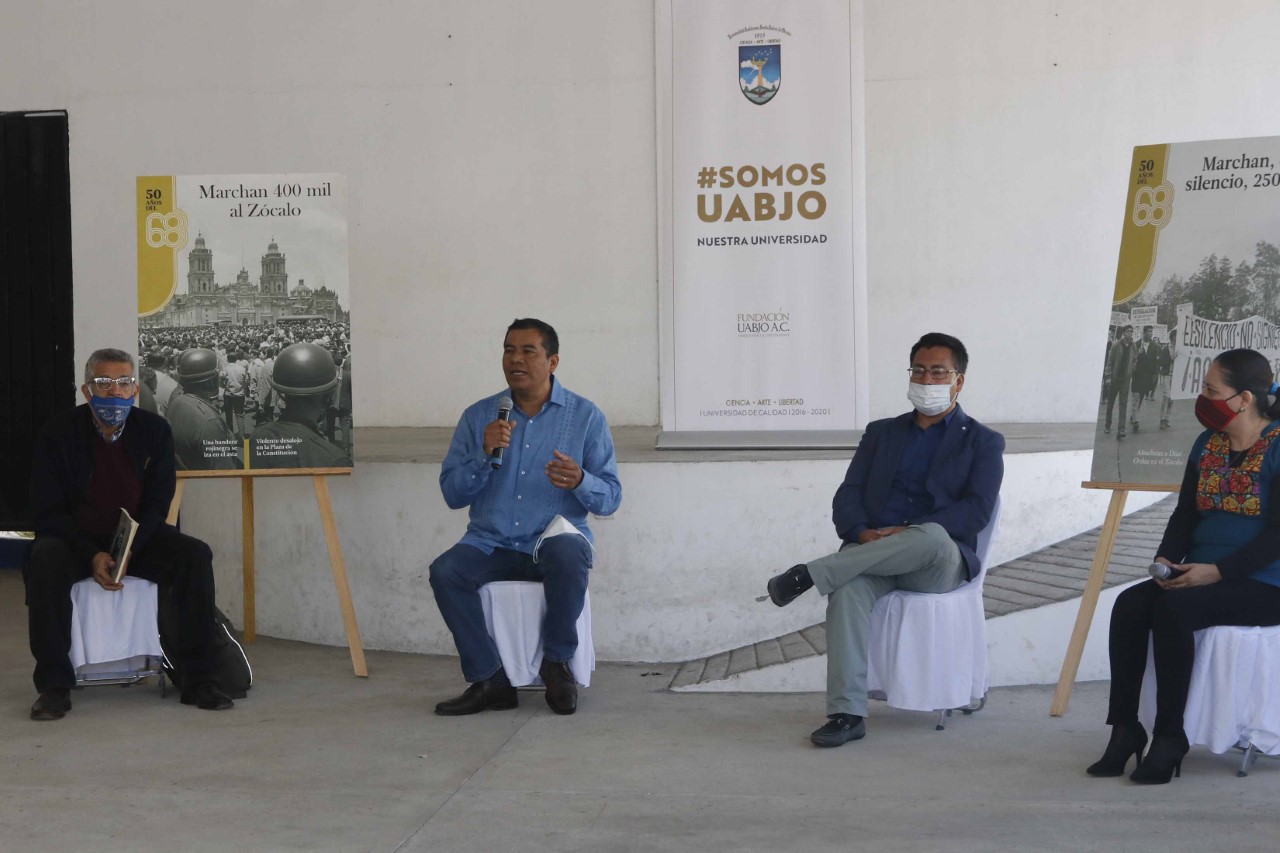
x,y
562,687
786,587
207,696
492,694
839,730
52,705
1125,741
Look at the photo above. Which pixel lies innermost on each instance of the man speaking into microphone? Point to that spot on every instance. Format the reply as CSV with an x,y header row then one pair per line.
x,y
519,459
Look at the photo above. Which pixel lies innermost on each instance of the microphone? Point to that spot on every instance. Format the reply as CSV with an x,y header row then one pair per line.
x,y
1161,572
504,414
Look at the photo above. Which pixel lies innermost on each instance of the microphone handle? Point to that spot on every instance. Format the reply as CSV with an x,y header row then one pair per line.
x,y
495,458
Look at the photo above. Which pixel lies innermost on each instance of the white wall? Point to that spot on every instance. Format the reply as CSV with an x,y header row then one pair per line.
x,y
501,162
999,136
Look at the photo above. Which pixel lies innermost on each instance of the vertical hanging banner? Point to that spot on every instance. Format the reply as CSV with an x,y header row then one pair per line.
x,y
244,321
757,214
1198,274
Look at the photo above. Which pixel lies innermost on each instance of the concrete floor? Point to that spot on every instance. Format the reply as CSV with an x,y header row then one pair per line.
x,y
316,759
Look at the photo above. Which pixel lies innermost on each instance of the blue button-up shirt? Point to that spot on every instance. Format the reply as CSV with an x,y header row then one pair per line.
x,y
908,498
510,507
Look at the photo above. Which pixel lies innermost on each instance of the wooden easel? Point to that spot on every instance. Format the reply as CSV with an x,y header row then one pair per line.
x,y
1093,586
320,482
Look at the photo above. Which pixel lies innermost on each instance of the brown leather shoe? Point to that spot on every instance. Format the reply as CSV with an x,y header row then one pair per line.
x,y
562,687
492,694
52,705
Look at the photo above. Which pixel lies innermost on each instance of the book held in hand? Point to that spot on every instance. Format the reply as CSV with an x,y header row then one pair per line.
x,y
121,542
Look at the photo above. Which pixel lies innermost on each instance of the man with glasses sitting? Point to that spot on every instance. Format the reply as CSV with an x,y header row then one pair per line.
x,y
919,489
90,463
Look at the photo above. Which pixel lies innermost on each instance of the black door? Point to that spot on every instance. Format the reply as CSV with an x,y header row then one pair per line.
x,y
36,347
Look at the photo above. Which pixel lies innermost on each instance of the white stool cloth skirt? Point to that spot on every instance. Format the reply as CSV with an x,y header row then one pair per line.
x,y
1234,699
114,634
929,650
513,613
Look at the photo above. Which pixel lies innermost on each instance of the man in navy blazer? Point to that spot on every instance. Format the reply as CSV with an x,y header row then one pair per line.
x,y
919,489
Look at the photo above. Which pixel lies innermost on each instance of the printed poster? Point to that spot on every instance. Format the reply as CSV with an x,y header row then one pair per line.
x,y
1199,274
244,319
757,222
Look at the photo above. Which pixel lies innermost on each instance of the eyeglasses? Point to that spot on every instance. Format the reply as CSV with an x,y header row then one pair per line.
x,y
104,384
938,373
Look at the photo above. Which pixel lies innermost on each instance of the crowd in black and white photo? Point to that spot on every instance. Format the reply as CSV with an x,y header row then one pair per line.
x,y
1135,372
286,387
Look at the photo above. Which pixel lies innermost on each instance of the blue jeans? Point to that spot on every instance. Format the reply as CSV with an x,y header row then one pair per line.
x,y
456,578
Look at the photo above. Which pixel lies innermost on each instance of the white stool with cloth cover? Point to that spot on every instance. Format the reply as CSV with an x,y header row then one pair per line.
x,y
513,614
928,651
1234,698
114,634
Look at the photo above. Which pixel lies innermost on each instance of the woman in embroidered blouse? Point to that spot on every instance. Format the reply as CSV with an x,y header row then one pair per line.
x,y
1223,545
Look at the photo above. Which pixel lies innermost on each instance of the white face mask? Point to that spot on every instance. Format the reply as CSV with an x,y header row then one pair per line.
x,y
929,400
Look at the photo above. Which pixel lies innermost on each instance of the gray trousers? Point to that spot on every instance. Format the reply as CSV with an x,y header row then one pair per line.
x,y
922,558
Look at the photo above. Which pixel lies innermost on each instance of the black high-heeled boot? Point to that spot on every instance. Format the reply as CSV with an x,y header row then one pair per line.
x,y
1125,741
1163,760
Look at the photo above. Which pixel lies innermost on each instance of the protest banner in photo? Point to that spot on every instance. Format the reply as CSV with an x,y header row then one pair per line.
x,y
252,369
1198,274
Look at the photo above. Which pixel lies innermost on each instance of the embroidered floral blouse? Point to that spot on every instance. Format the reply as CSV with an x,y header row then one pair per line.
x,y
1229,514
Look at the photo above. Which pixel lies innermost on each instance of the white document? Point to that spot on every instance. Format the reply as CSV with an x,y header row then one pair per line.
x,y
559,526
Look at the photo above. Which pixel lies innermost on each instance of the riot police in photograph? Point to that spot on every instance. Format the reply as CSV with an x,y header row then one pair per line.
x,y
304,376
338,419
199,431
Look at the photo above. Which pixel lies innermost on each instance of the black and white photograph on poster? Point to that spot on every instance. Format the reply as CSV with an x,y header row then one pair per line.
x,y
1212,284
249,355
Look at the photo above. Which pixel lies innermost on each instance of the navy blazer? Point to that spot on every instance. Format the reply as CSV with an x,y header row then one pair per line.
x,y
964,480
63,464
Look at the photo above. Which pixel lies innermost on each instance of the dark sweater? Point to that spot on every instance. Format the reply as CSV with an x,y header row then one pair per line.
x,y
62,469
113,486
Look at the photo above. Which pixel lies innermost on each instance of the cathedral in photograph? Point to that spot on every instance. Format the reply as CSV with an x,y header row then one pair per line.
x,y
244,302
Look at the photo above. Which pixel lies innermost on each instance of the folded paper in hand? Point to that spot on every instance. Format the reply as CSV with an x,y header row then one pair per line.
x,y
559,526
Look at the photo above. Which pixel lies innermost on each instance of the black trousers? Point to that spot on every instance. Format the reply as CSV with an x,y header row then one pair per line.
x,y
1170,617
1118,388
171,560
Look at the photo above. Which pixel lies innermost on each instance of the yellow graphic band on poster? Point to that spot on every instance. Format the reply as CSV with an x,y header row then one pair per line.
x,y
1148,208
162,234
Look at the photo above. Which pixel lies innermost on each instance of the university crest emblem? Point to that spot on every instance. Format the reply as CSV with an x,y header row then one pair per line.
x,y
759,72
